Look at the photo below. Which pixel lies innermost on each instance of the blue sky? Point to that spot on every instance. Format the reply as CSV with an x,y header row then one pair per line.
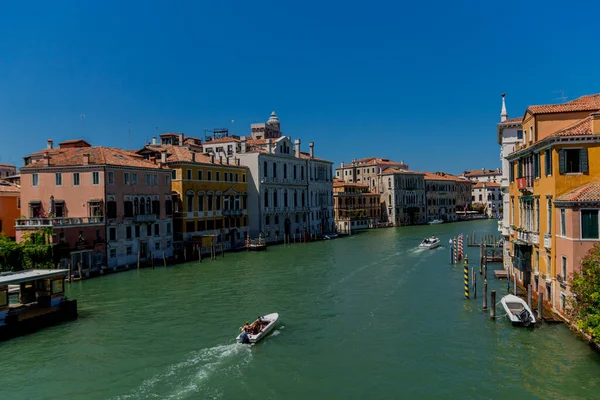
x,y
419,81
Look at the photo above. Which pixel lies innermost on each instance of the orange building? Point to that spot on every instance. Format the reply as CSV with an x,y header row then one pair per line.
x,y
10,207
355,207
557,159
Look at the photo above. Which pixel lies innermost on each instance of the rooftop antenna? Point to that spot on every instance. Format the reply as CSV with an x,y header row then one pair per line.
x,y
562,97
82,119
129,134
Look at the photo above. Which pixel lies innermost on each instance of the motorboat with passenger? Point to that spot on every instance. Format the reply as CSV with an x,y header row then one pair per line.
x,y
258,329
436,222
430,243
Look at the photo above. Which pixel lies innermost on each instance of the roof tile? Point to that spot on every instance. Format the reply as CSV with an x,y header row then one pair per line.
x,y
583,194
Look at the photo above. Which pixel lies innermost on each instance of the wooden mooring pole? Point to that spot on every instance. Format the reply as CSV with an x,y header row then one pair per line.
x,y
138,263
474,275
540,306
70,277
164,260
481,256
493,305
466,278
529,296
485,306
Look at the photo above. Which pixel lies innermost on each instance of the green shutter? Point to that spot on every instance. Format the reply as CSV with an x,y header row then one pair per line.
x,y
520,169
511,171
562,162
589,224
536,165
583,159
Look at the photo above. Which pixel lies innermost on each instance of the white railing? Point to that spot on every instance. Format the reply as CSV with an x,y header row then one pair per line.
x,y
547,241
145,217
44,222
535,238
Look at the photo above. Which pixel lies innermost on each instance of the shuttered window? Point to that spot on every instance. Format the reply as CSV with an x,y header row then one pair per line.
x,y
589,224
548,162
573,161
536,165
520,169
511,171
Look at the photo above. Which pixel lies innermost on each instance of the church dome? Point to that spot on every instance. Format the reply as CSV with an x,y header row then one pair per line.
x,y
273,119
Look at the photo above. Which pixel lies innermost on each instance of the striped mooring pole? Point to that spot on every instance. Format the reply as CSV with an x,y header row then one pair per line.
x,y
455,247
466,273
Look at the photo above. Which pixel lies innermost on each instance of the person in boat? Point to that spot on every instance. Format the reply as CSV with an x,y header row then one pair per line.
x,y
246,328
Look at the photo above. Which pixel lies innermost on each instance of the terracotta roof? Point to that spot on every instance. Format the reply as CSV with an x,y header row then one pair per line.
x,y
226,139
73,156
373,161
513,121
393,170
581,127
256,142
8,187
589,193
442,176
306,155
338,183
481,185
8,165
584,103
484,172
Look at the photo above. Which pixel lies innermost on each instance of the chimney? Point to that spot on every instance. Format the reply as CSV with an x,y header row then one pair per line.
x,y
86,159
163,157
212,158
181,139
596,123
269,145
46,159
193,157
221,160
227,160
311,145
342,164
243,148
49,144
154,140
153,159
237,162
297,147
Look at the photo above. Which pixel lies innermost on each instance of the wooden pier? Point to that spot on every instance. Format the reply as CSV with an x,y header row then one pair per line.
x,y
489,240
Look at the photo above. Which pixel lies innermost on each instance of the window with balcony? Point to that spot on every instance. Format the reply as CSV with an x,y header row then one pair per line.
x,y
563,222
58,179
75,178
589,224
573,161
564,267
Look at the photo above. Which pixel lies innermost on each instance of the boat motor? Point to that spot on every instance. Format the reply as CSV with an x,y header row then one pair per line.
x,y
244,339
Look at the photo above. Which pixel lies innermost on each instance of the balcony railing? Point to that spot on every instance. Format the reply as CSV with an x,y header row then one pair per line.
x,y
30,223
524,236
547,241
535,238
233,212
144,218
562,281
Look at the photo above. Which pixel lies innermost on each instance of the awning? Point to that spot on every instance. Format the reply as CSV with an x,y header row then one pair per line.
x,y
526,198
35,202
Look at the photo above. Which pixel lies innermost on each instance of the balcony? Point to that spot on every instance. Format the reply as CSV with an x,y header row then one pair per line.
x,y
547,241
232,213
524,236
525,184
33,223
535,238
144,218
504,183
562,281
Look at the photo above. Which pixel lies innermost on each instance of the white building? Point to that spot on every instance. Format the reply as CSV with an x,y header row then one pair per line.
x,y
509,133
290,192
403,196
483,175
490,195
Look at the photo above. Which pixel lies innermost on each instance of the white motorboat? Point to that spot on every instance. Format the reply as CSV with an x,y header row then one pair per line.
x,y
430,243
435,222
267,324
517,310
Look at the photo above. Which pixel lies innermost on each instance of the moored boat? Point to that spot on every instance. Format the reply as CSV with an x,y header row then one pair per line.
x,y
517,310
259,329
435,222
430,243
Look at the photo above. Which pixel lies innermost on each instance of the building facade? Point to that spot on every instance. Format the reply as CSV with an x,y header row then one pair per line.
x,y
7,170
356,207
490,195
483,175
403,197
10,207
367,171
441,192
560,152
210,196
105,206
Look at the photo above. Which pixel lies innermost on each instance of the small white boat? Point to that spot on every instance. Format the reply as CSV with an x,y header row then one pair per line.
x,y
267,324
430,243
435,222
517,310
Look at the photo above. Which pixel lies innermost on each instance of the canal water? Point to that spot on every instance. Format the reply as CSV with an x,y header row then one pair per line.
x,y
364,317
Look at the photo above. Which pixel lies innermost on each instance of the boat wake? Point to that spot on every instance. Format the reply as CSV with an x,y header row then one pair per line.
x,y
191,375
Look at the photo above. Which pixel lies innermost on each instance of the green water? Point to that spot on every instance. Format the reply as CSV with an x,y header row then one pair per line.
x,y
364,317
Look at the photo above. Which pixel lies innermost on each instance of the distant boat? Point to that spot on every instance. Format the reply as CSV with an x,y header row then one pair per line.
x,y
517,310
435,222
430,243
268,321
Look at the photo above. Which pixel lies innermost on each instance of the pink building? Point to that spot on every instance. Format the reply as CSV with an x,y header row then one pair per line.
x,y
7,170
577,213
105,205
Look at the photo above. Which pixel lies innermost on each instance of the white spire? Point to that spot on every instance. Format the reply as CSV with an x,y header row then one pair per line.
x,y
503,113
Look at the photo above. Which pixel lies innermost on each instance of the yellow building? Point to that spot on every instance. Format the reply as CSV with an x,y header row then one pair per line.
x,y
210,196
559,152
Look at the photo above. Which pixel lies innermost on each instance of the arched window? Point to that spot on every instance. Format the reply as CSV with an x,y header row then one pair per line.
x,y
148,205
136,206
265,169
274,170
142,206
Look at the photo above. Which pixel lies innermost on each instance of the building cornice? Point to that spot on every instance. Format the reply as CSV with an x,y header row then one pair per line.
x,y
552,141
